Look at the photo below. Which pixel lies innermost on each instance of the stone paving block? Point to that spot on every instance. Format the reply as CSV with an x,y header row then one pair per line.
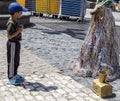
x,y
5,93
73,94
44,94
93,95
28,78
55,94
79,98
101,100
69,85
17,96
27,92
34,93
64,82
10,98
75,100
2,99
3,88
60,91
13,90
20,88
69,97
1,83
35,78
61,99
50,98
81,94
68,90
50,83
39,98
88,91
89,99
23,91
28,97
21,99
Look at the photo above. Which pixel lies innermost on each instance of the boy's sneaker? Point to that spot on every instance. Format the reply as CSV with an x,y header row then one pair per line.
x,y
14,81
19,77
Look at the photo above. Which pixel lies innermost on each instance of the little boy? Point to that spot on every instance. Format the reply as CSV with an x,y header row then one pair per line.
x,y
13,44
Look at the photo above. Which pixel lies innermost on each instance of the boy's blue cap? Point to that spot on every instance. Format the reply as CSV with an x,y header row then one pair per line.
x,y
15,7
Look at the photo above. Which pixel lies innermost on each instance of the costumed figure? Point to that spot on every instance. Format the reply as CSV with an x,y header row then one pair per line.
x,y
99,51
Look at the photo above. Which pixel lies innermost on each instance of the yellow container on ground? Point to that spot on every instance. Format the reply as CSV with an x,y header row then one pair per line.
x,y
102,89
42,6
48,6
54,6
21,2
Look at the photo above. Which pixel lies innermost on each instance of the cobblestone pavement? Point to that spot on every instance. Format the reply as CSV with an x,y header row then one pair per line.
x,y
48,48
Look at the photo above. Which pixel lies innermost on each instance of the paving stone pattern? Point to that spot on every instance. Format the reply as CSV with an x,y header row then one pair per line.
x,y
48,48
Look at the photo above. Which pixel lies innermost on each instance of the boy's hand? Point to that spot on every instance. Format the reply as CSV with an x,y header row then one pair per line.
x,y
21,25
20,28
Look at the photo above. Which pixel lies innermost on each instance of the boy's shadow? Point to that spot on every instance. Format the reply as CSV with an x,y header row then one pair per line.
x,y
35,86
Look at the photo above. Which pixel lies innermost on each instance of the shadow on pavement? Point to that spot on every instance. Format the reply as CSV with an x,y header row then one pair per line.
x,y
75,33
112,96
35,86
77,30
29,25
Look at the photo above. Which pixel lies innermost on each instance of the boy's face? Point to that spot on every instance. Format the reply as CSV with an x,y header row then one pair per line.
x,y
18,15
